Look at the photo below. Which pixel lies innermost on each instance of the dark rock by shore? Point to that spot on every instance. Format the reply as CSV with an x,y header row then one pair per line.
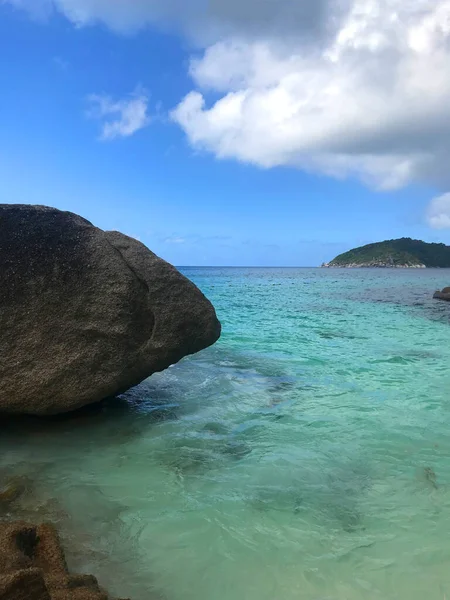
x,y
33,567
443,295
86,314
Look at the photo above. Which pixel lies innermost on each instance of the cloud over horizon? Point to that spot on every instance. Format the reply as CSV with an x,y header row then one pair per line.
x,y
438,214
349,88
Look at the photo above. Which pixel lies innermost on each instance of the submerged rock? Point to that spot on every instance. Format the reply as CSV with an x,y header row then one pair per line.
x,y
444,295
33,567
87,314
430,477
11,490
236,450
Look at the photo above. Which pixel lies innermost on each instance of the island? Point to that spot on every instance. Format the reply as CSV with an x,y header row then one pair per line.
x,y
404,253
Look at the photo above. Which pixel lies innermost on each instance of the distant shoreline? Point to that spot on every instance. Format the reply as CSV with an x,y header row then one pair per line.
x,y
303,267
369,266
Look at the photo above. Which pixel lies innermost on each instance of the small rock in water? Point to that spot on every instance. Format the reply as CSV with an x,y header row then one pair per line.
x,y
237,450
431,477
444,295
276,401
298,504
12,489
350,518
189,461
216,428
282,386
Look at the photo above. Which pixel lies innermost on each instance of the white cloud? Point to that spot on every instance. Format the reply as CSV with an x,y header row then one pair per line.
x,y
372,102
120,118
340,87
206,21
174,240
438,214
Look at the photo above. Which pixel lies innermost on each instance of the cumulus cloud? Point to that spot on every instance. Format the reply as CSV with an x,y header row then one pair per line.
x,y
355,88
205,21
372,103
438,215
119,118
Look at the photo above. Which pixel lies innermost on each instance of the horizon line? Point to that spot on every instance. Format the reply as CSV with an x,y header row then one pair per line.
x,y
246,267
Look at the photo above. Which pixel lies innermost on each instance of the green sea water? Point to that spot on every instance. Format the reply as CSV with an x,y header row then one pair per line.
x,y
306,456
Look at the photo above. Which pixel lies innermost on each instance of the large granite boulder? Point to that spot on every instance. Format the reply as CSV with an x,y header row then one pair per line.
x,y
444,295
86,314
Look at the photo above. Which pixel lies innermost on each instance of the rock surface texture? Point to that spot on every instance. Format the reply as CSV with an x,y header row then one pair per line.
x,y
86,314
33,567
444,295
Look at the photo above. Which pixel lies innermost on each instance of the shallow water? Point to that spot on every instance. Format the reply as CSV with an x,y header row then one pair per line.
x,y
305,456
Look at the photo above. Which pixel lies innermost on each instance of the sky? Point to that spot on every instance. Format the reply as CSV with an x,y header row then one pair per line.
x,y
231,132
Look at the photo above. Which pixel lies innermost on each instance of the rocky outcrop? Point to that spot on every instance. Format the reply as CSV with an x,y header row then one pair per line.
x,y
33,567
444,295
86,314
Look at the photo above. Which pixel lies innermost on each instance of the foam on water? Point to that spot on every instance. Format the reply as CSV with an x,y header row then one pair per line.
x,y
305,456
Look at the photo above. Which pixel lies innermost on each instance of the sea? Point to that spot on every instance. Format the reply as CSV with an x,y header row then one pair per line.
x,y
305,456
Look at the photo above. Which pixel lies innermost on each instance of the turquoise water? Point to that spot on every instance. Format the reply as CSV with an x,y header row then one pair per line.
x,y
306,456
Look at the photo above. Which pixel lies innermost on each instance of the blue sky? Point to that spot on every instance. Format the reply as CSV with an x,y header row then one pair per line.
x,y
192,189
